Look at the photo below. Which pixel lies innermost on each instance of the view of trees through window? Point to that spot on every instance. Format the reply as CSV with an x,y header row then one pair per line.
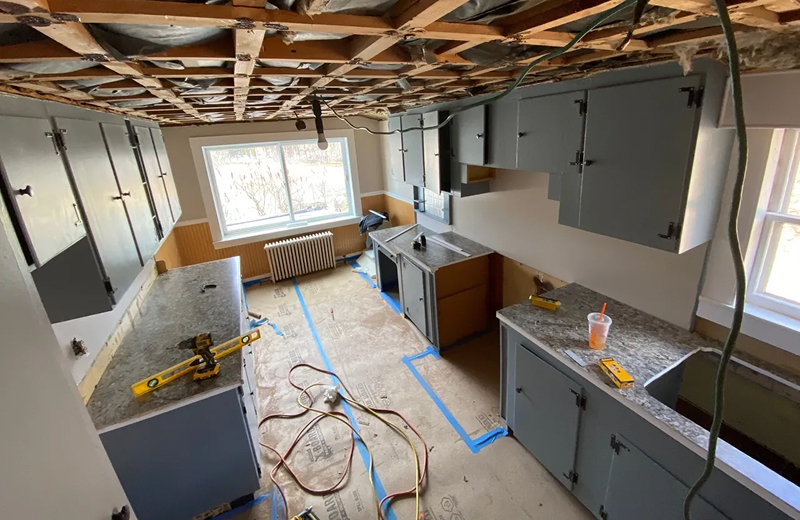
x,y
273,184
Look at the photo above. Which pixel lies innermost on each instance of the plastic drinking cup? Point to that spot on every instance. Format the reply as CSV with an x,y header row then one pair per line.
x,y
598,330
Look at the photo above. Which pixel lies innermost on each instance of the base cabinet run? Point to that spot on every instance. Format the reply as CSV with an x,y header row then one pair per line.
x,y
617,463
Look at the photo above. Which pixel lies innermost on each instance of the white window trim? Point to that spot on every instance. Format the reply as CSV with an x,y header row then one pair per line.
x,y
768,215
213,212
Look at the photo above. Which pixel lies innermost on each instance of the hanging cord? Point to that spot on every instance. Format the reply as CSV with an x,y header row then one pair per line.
x,y
599,19
736,255
421,469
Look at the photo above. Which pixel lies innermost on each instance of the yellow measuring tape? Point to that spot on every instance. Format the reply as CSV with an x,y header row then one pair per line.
x,y
190,365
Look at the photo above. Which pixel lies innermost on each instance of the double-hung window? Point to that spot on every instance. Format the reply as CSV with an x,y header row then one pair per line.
x,y
775,276
263,187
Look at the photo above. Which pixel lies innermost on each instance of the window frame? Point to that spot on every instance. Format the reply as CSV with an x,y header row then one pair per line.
x,y
767,224
222,237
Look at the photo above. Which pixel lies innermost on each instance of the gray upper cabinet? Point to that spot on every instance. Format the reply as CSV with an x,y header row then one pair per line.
x,y
38,187
638,158
395,148
547,409
468,136
158,189
550,133
131,183
86,155
501,148
639,488
412,150
166,173
436,151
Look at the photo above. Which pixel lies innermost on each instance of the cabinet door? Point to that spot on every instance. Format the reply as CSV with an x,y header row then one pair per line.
x,y
412,150
396,149
547,414
469,136
130,182
640,141
90,166
413,280
47,211
639,488
166,173
147,154
501,149
436,152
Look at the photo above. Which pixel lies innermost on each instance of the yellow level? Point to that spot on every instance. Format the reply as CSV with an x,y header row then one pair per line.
x,y
187,367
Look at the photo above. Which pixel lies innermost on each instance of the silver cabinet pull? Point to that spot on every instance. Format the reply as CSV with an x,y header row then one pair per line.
x,y
27,190
77,214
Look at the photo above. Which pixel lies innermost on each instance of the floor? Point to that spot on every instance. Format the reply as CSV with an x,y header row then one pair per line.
x,y
357,333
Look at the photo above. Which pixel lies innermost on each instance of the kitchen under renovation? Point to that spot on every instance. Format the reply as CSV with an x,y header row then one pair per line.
x,y
400,259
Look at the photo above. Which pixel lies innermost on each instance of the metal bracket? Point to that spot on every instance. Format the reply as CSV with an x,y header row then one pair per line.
x,y
122,514
109,288
571,476
695,96
616,445
603,513
580,400
581,106
673,231
58,140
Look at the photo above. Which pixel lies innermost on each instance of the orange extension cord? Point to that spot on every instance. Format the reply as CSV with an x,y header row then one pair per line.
x,y
341,417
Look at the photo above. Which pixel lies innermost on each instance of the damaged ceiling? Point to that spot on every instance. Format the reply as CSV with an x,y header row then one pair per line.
x,y
214,61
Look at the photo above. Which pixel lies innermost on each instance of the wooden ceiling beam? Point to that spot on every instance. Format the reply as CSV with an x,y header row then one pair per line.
x,y
551,14
745,12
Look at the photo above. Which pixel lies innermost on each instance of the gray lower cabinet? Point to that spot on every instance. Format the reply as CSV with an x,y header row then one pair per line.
x,y
547,414
624,466
638,154
166,173
639,488
132,185
468,136
413,294
38,188
413,165
149,161
86,156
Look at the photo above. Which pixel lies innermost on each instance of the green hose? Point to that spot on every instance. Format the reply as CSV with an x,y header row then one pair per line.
x,y
736,255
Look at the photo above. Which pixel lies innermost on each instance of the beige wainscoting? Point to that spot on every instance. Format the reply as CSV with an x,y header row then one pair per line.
x,y
192,244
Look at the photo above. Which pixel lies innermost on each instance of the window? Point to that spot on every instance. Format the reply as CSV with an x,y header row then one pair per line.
x,y
279,185
775,277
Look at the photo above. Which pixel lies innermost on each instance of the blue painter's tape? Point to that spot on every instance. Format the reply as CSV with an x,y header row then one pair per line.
x,y
474,445
254,324
394,304
362,448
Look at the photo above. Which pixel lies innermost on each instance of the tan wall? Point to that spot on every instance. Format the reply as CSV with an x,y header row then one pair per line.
x,y
192,243
368,155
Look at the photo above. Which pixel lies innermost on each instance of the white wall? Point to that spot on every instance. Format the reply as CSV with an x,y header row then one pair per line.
x,y
770,101
52,464
518,221
368,155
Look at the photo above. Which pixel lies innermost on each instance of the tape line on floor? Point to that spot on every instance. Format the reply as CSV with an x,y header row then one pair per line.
x,y
475,445
362,448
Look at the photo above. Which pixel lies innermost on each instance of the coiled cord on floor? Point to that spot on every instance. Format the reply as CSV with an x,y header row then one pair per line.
x,y
421,469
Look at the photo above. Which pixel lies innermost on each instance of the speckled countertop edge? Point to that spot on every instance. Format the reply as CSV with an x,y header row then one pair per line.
x,y
646,347
434,256
175,308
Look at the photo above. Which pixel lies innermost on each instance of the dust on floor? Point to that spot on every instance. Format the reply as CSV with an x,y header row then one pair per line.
x,y
365,341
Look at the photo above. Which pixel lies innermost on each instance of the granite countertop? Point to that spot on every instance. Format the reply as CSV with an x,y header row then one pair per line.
x,y
646,347
176,308
434,255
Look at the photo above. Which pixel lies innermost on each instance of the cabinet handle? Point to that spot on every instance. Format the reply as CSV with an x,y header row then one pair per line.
x,y
116,197
519,390
521,134
405,151
479,136
27,190
126,194
77,214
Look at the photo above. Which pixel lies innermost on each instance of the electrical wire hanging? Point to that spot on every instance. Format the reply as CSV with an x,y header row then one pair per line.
x,y
421,468
599,19
736,256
